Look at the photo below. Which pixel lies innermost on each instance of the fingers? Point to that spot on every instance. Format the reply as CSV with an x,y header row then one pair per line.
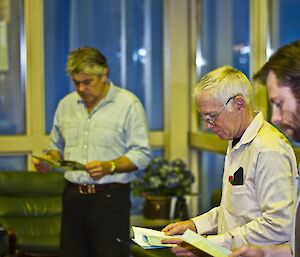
x,y
247,251
172,241
168,227
180,251
42,167
95,170
178,228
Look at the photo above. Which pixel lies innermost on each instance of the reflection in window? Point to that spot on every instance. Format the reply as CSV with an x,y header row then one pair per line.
x,y
12,96
17,163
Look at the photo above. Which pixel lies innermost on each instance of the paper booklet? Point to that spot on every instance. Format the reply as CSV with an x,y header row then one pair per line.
x,y
61,164
150,238
204,244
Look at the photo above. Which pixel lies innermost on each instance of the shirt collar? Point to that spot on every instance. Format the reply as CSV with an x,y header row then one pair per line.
x,y
252,130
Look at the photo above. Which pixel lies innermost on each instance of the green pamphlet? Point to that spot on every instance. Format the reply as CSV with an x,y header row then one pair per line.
x,y
61,164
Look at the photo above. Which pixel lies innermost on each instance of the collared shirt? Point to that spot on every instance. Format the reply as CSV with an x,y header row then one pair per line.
x,y
116,127
293,242
260,210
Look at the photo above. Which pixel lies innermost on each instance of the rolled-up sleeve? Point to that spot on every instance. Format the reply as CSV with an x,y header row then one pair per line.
x,y
137,137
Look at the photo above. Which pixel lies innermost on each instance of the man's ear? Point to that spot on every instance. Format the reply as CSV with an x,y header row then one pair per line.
x,y
239,102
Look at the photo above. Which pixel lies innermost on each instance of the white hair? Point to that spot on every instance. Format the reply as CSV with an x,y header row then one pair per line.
x,y
223,83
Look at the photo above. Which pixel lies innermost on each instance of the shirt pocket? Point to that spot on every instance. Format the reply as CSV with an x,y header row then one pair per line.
x,y
235,201
70,133
106,135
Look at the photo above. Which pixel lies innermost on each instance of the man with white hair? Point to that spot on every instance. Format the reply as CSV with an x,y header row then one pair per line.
x,y
259,172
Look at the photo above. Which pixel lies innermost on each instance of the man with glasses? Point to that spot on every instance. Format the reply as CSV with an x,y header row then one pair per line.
x,y
259,170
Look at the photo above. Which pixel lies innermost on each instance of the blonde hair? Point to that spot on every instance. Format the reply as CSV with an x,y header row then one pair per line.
x,y
86,60
223,83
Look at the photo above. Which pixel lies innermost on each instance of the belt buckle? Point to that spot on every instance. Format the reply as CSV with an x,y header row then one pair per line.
x,y
86,189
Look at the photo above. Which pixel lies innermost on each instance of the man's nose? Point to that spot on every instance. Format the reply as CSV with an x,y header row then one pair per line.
x,y
81,87
276,116
208,125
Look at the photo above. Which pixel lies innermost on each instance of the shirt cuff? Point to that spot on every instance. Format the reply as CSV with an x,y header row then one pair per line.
x,y
202,224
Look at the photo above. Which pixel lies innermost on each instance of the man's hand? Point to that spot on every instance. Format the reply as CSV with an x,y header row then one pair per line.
x,y
97,169
41,166
262,251
248,251
183,249
179,228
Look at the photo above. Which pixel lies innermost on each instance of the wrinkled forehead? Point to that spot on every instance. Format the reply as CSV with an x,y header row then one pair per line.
x,y
207,103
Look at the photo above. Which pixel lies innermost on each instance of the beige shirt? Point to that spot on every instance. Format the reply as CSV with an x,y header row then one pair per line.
x,y
260,210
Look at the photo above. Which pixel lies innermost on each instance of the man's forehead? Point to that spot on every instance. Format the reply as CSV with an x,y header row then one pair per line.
x,y
82,77
207,104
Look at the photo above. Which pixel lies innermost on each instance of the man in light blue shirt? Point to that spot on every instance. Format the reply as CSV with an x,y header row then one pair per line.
x,y
103,127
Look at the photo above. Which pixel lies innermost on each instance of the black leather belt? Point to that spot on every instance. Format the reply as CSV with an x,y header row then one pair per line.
x,y
86,189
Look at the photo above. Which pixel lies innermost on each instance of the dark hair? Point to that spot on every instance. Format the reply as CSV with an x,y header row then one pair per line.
x,y
285,63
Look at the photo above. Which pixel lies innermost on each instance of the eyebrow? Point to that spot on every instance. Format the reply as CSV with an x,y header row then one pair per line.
x,y
81,81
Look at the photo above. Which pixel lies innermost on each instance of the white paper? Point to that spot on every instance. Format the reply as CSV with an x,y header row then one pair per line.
x,y
150,238
204,244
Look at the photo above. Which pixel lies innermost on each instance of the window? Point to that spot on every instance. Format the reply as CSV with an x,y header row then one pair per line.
x,y
128,33
12,67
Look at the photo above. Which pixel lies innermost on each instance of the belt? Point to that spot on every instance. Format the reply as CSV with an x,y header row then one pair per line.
x,y
87,189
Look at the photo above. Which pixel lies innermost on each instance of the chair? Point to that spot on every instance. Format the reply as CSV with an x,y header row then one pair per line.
x,y
30,210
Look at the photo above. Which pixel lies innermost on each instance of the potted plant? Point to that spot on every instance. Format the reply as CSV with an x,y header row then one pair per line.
x,y
161,181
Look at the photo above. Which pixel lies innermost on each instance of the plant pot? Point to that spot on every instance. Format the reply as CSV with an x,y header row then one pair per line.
x,y
157,207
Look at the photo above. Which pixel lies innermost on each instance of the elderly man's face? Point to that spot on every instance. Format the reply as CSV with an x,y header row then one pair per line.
x,y
225,123
285,111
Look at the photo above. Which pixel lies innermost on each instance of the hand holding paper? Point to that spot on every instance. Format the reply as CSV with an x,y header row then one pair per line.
x,y
46,163
149,238
178,228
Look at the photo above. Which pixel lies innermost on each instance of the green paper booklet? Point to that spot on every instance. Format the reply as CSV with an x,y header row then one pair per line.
x,y
61,164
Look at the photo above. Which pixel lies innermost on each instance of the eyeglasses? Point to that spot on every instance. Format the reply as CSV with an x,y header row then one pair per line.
x,y
211,119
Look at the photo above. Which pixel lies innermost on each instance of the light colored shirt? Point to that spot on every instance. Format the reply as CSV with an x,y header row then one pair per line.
x,y
296,219
260,210
116,127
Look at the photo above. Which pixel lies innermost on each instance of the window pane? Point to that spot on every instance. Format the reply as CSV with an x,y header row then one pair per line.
x,y
223,38
210,177
129,33
12,96
284,22
8,163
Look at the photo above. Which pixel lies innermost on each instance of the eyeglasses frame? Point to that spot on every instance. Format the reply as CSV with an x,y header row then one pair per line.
x,y
212,119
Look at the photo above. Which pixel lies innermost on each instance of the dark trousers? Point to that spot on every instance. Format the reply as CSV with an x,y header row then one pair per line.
x,y
92,223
